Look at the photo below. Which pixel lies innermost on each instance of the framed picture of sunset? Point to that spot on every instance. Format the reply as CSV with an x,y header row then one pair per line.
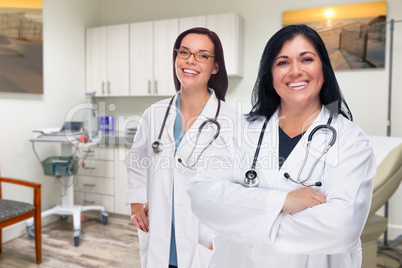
x,y
21,46
353,34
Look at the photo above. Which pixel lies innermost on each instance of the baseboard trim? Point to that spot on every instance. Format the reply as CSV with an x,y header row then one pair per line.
x,y
394,231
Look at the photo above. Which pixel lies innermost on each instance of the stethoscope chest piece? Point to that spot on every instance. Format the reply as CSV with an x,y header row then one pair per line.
x,y
251,179
157,147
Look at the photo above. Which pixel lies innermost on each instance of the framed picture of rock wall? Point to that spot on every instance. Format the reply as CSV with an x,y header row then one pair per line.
x,y
21,46
353,34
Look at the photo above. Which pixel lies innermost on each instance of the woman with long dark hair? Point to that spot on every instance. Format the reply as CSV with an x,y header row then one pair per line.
x,y
296,190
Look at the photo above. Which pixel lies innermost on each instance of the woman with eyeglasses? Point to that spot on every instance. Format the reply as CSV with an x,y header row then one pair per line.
x,y
169,145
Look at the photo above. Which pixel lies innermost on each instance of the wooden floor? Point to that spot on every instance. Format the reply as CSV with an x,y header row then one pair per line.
x,y
111,245
390,257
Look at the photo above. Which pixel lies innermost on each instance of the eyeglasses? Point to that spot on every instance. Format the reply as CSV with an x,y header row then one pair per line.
x,y
198,56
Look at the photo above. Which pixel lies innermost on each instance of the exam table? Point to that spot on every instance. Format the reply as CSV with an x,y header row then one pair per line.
x,y
388,153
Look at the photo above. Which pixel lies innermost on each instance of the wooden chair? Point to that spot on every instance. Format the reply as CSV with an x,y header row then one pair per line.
x,y
12,212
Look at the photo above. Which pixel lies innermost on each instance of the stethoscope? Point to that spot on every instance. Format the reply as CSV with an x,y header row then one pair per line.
x,y
251,179
157,146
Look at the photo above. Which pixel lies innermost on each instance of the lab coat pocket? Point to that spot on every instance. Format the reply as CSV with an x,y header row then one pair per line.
x,y
144,244
202,257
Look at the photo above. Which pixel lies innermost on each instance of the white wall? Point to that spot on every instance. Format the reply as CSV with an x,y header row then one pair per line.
x,y
64,80
64,69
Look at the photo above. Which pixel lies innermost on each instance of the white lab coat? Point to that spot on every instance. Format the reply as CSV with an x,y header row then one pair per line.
x,y
252,232
152,177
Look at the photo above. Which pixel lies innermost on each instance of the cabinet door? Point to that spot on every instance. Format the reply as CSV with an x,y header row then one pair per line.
x,y
118,60
96,60
230,29
120,181
165,34
191,22
141,58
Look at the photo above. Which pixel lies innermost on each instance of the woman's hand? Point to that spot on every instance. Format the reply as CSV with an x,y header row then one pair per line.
x,y
139,216
302,198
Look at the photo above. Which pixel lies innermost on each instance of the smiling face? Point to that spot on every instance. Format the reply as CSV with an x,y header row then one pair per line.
x,y
297,75
192,73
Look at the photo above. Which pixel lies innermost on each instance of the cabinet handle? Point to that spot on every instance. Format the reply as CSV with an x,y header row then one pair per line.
x,y
90,151
108,87
88,185
149,87
89,202
92,168
156,87
103,87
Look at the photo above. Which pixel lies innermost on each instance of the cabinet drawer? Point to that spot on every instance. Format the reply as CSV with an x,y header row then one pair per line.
x,y
97,153
97,168
95,185
89,199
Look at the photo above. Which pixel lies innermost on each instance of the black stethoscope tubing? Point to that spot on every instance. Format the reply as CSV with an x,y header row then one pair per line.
x,y
157,146
218,130
251,179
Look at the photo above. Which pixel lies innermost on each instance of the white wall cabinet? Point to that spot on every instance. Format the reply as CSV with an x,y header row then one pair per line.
x,y
96,60
136,59
141,58
107,52
230,29
151,57
165,34
191,22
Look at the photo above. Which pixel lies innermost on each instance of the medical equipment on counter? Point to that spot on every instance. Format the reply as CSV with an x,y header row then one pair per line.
x,y
63,168
157,146
106,124
60,166
251,179
91,117
69,128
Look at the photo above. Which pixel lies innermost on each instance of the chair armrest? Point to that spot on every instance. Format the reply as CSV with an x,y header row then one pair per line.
x,y
34,185
21,182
